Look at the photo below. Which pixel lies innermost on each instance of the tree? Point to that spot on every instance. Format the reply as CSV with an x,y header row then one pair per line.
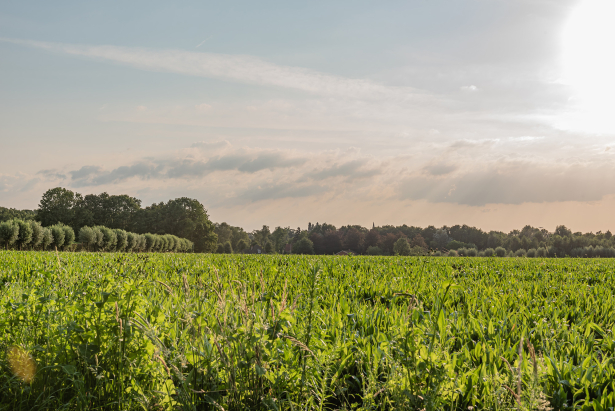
x,y
500,252
25,233
418,241
109,238
241,246
373,250
87,237
57,233
150,242
402,247
47,238
280,237
37,233
183,217
9,232
131,241
303,246
122,239
228,248
562,231
7,214
56,206
441,238
354,240
269,247
69,235
261,236
372,239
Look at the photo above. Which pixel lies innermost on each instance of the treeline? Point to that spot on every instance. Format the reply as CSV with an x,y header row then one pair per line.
x,y
461,240
182,217
31,235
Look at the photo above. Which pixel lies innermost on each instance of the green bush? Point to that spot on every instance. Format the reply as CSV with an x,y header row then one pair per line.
x,y
9,232
303,246
500,252
520,253
402,247
109,239
25,233
452,253
69,235
489,252
100,238
58,234
531,253
47,238
87,237
122,239
373,250
37,233
131,241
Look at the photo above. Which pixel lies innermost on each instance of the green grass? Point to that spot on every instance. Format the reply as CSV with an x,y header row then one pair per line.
x,y
234,332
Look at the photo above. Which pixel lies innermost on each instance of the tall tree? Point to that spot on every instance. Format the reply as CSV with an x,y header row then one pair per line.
x,y
56,206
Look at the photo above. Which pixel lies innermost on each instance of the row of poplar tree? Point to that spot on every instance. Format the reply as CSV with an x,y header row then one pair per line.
x,y
24,235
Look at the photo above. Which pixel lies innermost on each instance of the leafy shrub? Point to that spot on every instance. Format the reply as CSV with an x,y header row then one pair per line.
x,y
47,238
228,248
57,233
25,233
88,237
481,253
437,253
541,252
150,242
489,252
520,253
122,239
471,252
9,232
402,247
109,238
69,235
452,253
37,233
500,252
303,246
455,245
531,253
131,241
100,238
373,250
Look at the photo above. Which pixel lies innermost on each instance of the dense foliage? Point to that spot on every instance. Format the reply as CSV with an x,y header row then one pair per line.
x,y
183,217
417,241
167,331
30,235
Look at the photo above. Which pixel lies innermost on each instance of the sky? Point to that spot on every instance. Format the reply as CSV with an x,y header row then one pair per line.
x,y
491,113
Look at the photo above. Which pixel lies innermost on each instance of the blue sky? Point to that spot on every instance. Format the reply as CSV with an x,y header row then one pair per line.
x,y
278,113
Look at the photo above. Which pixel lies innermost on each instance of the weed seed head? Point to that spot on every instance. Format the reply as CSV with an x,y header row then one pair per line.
x,y
22,364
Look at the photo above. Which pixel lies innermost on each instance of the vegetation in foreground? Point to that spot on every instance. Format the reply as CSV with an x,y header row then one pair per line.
x,y
163,331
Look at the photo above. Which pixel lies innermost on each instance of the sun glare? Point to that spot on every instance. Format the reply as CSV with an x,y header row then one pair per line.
x,y
589,62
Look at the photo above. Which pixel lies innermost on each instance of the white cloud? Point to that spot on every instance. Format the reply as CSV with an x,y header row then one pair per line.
x,y
240,68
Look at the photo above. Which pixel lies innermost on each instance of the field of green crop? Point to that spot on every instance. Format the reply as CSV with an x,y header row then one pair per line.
x,y
232,332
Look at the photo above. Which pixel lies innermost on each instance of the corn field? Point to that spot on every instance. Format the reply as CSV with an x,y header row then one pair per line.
x,y
244,332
